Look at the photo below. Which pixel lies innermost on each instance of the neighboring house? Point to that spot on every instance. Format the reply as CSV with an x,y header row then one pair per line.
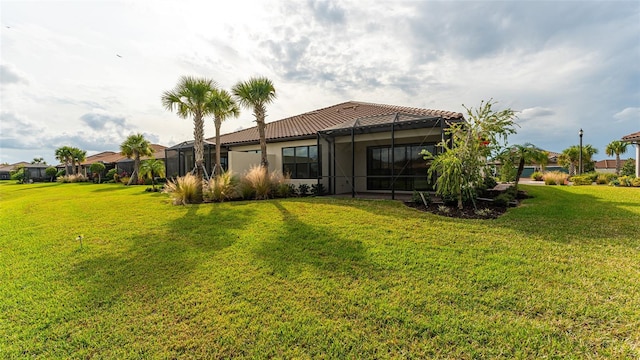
x,y
36,172
116,160
607,165
552,165
634,139
5,171
351,147
108,158
126,165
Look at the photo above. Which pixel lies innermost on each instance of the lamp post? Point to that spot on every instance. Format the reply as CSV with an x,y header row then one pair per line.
x,y
580,133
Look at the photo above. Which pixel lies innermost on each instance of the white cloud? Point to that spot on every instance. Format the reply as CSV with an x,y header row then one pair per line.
x,y
629,114
565,66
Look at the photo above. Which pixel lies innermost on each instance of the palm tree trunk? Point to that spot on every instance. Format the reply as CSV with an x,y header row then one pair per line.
x,y
136,166
259,113
617,163
218,149
198,146
520,169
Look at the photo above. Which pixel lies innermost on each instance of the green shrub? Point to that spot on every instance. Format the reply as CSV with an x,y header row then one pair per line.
x,y
503,199
582,180
303,189
625,180
605,178
486,212
628,168
635,182
318,189
51,172
184,190
285,190
592,176
111,174
221,187
17,174
60,173
537,176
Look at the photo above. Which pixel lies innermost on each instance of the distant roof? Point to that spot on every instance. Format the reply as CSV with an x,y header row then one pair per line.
x,y
158,153
309,123
100,157
634,137
607,163
13,166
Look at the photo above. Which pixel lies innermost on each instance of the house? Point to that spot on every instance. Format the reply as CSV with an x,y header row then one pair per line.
x,y
116,160
351,147
552,165
32,172
607,165
5,171
634,138
125,164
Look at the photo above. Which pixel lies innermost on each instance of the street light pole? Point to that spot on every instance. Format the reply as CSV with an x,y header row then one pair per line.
x,y
580,133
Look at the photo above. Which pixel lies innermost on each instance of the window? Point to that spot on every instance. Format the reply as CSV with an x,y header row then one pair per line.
x,y
300,162
409,168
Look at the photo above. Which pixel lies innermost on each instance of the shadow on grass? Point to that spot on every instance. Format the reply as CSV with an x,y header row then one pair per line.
x,y
39,185
299,243
110,187
159,262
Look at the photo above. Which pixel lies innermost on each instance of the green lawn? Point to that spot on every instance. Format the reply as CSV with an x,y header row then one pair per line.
x,y
558,277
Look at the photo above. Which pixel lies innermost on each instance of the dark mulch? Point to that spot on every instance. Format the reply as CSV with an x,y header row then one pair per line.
x,y
483,209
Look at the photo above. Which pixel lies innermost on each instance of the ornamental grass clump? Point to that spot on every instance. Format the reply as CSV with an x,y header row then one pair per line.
x,y
184,190
256,182
555,178
221,187
73,178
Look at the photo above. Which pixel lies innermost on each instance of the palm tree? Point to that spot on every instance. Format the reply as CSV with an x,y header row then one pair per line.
x,y
79,156
191,98
571,156
64,155
616,147
134,147
526,153
255,94
223,107
152,167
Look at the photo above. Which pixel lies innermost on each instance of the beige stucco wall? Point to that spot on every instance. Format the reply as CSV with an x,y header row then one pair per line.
x,y
274,155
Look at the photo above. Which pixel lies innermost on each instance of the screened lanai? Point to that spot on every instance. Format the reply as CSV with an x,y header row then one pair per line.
x,y
180,158
380,154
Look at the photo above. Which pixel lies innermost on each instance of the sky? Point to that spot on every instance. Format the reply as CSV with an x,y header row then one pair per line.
x,y
90,73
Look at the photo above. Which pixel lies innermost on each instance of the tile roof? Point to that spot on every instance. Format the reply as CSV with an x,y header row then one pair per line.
x,y
634,137
110,157
309,123
13,166
158,153
608,163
